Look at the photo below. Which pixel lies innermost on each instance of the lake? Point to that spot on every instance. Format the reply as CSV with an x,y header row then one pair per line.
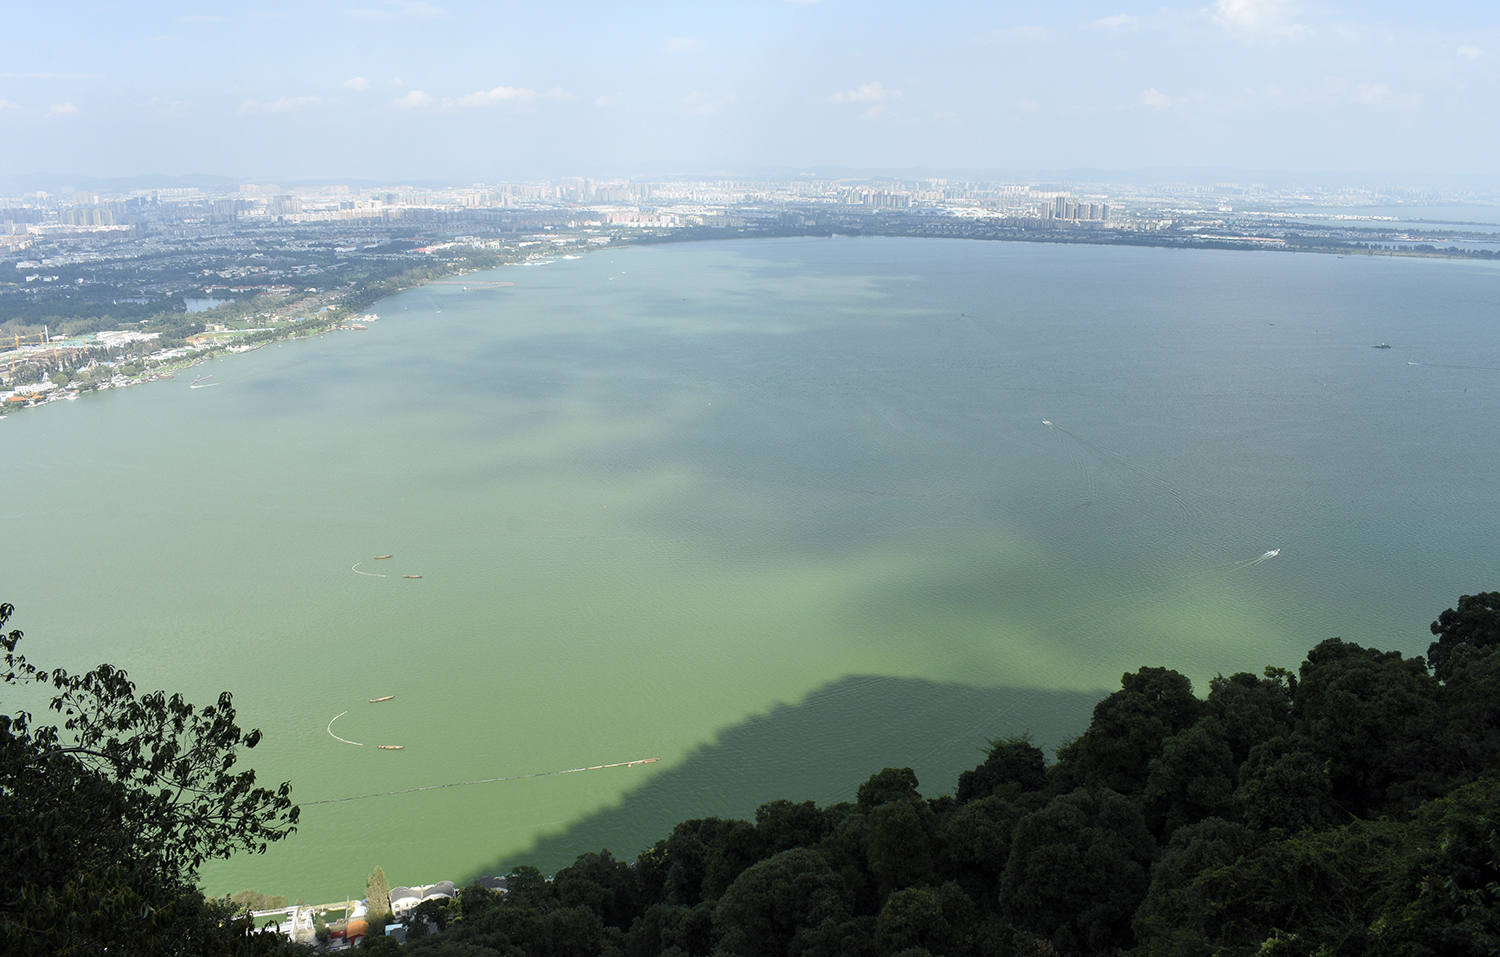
x,y
776,513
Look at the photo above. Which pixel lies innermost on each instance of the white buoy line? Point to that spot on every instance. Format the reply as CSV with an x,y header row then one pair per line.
x,y
345,740
462,784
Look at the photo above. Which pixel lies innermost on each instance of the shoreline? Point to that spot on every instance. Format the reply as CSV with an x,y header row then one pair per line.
x,y
335,316
331,319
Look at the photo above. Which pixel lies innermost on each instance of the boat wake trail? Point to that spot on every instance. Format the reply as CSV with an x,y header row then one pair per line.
x,y
464,784
356,571
1262,558
1447,365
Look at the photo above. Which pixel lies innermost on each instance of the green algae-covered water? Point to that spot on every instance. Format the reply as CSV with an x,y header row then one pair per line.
x,y
776,513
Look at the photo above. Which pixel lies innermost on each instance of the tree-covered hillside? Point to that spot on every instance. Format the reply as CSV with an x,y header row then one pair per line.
x,y
1349,808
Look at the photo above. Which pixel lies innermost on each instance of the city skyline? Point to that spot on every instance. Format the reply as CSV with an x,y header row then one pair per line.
x,y
401,90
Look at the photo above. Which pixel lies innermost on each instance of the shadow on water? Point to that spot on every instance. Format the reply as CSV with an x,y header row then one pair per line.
x,y
821,749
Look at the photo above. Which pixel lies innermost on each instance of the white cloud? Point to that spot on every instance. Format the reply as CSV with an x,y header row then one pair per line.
x,y
62,109
865,93
1119,21
358,84
683,45
202,18
1030,106
1156,99
873,93
8,105
1472,53
415,100
1264,17
500,94
400,10
606,102
284,105
702,103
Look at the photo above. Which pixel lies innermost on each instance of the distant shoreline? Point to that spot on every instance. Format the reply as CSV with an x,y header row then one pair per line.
x,y
1069,236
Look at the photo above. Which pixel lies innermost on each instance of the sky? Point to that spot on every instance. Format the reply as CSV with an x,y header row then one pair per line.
x,y
410,90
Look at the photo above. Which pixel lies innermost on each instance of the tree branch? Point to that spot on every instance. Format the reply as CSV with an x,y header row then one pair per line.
x,y
97,754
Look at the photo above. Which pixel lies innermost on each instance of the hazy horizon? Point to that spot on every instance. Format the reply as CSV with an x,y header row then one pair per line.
x,y
384,90
1443,188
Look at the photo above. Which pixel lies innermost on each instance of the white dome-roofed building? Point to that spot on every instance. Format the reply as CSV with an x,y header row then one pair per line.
x,y
403,899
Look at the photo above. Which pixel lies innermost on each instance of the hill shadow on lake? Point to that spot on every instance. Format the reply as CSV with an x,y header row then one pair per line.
x,y
821,749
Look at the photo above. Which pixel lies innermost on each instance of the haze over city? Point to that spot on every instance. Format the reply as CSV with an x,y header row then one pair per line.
x,y
420,91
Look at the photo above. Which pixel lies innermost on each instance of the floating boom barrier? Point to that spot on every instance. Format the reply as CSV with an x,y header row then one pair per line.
x,y
345,740
464,784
